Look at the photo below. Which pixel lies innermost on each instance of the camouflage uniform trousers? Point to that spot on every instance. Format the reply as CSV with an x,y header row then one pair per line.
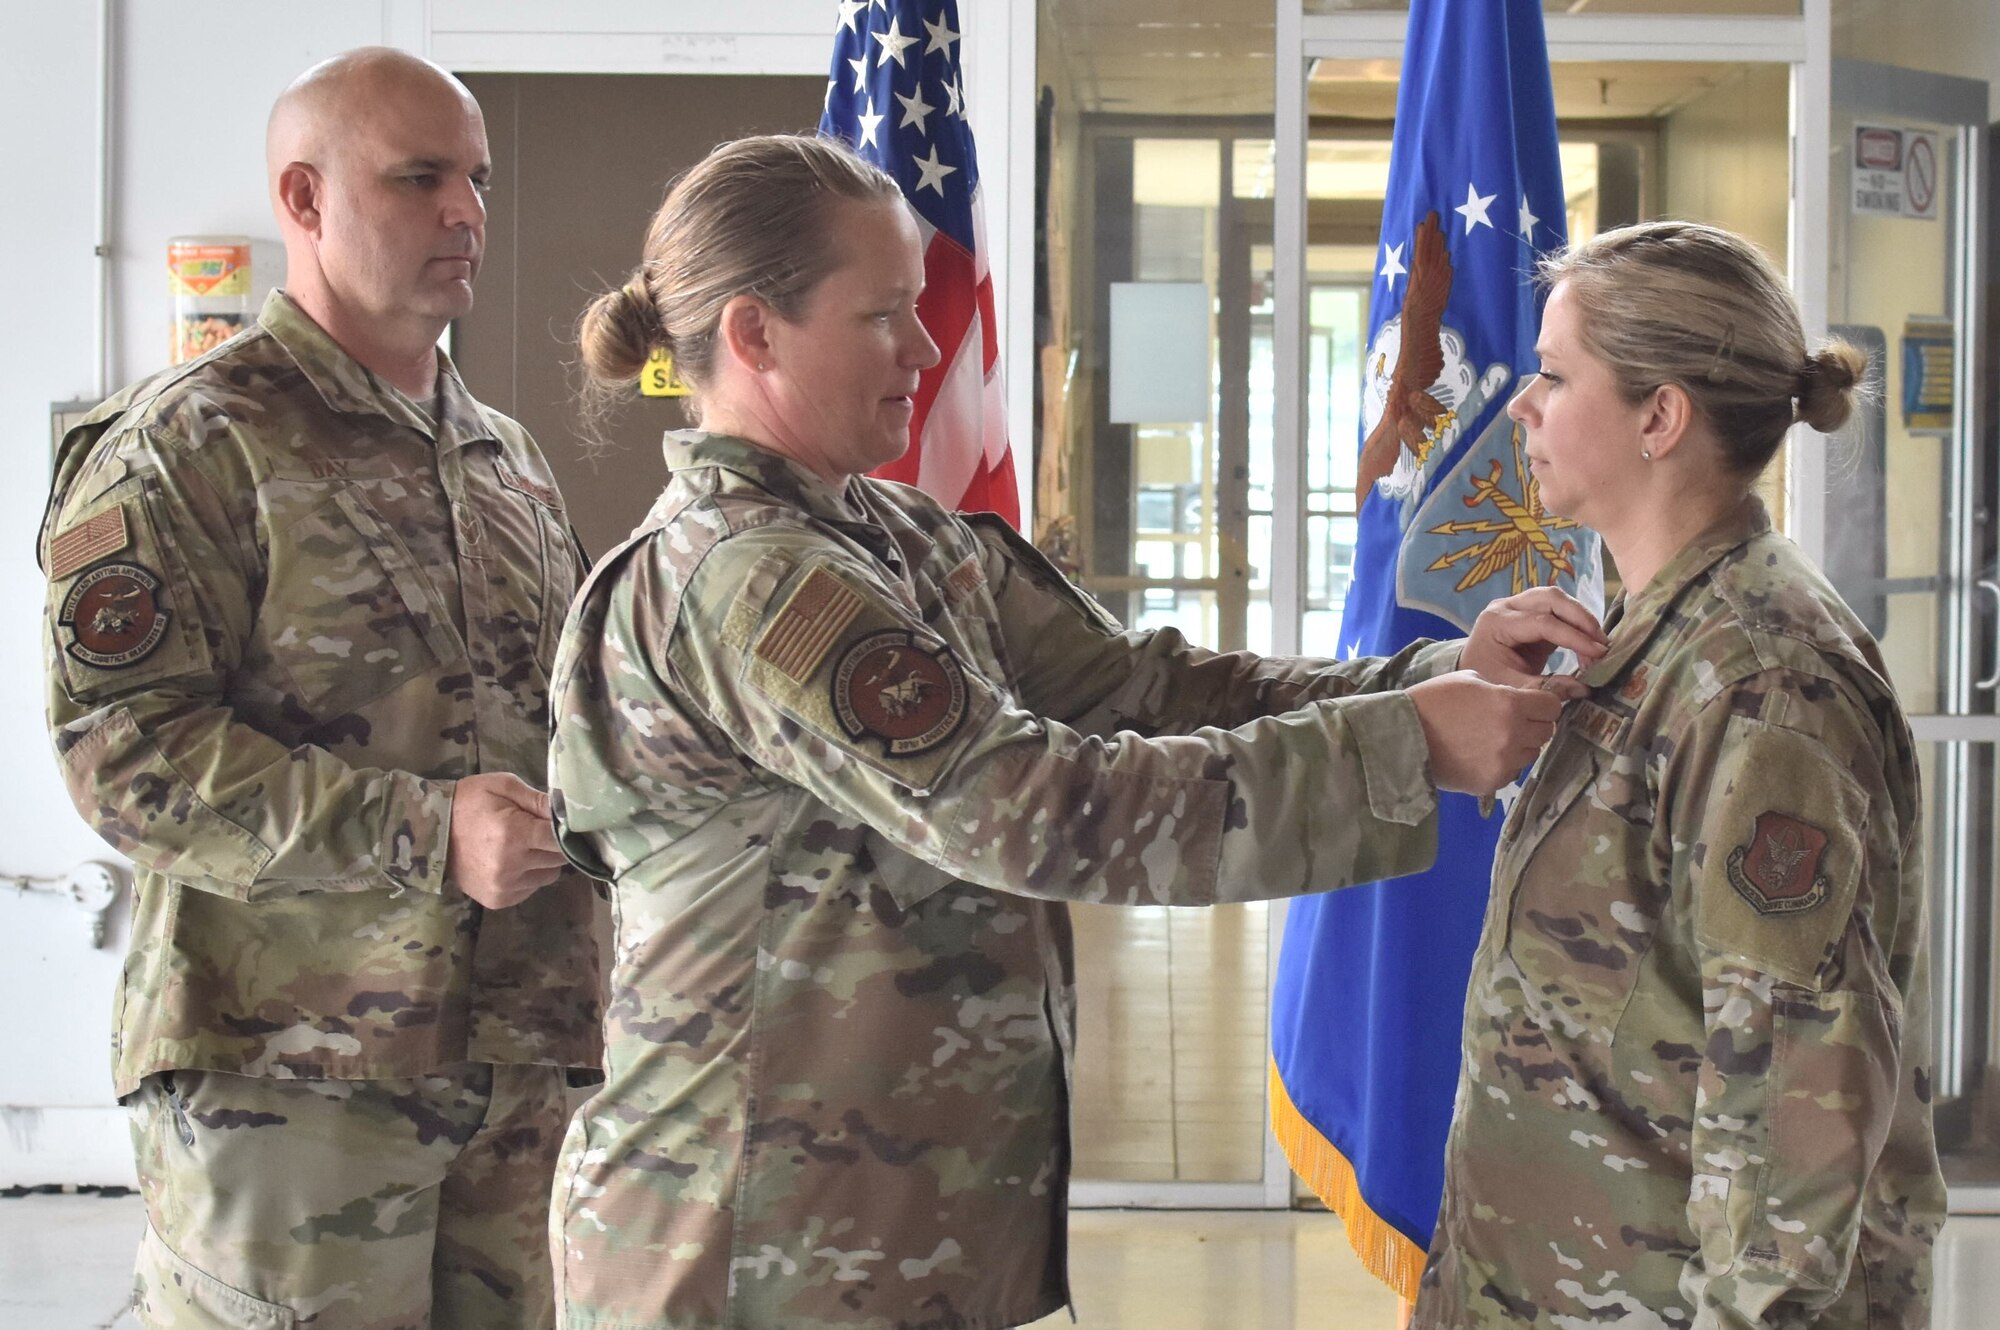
x,y
347,1205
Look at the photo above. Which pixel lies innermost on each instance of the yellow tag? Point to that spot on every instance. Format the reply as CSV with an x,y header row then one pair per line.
x,y
658,379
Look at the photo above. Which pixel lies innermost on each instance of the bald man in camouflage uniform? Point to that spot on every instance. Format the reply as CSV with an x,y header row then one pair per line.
x,y
303,599
1697,1042
846,756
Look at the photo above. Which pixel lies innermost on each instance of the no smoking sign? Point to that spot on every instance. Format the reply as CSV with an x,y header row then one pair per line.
x,y
1895,172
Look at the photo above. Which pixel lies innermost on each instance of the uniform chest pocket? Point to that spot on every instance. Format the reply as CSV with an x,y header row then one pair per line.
x,y
1583,898
348,611
966,618
525,563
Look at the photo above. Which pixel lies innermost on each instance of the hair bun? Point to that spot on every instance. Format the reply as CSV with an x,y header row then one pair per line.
x,y
619,331
1827,385
643,313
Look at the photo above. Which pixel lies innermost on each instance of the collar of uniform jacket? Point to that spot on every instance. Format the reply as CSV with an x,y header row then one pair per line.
x,y
1633,619
854,510
347,385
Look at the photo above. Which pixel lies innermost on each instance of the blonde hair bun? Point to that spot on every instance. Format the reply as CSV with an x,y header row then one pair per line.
x,y
1829,384
618,333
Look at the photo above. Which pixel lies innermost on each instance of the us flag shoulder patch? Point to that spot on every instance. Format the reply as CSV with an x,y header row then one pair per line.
x,y
810,623
88,541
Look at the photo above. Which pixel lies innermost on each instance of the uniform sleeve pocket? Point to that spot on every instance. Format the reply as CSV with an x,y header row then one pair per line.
x,y
1833,1073
146,811
1779,855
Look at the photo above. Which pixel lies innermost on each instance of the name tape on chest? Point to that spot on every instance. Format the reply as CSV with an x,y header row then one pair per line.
x,y
543,494
1600,724
965,579
87,541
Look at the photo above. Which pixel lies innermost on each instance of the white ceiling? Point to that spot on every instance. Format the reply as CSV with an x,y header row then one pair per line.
x,y
1214,57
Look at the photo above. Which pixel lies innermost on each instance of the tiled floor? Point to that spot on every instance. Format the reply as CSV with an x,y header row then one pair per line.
x,y
1170,1043
65,1264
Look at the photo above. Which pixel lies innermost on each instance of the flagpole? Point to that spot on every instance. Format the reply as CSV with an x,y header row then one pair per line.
x,y
1288,334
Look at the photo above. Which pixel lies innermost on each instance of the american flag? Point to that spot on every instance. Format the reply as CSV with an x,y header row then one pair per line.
x,y
897,92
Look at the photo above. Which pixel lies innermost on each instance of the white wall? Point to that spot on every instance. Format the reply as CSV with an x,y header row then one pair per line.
x,y
55,989
195,79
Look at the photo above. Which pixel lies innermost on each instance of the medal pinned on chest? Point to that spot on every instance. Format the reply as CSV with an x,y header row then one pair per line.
x,y
890,687
114,616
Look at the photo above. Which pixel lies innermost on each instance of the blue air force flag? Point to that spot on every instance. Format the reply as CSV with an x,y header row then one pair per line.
x,y
1371,982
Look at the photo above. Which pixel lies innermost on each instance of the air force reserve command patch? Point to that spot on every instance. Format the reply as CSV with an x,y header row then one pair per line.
x,y
113,615
889,686
1778,872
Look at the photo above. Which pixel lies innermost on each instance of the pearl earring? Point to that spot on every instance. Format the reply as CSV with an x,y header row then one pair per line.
x,y
1646,453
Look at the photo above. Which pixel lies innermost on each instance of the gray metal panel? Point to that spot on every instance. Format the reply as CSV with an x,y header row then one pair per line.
x,y
1911,93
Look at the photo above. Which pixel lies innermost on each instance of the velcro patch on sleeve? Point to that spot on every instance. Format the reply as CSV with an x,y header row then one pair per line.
x,y
86,542
860,670
798,639
892,687
1780,851
118,611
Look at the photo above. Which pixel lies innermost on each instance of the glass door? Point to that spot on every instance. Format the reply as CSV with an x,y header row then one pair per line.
x,y
1218,498
1910,501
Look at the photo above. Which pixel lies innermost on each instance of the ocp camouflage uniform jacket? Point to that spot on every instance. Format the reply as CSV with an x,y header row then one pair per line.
x,y
1696,1087
846,755
285,611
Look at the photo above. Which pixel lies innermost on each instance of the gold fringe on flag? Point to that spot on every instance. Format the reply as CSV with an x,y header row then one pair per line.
x,y
1387,1254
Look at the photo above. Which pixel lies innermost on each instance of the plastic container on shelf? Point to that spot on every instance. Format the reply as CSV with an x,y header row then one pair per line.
x,y
210,280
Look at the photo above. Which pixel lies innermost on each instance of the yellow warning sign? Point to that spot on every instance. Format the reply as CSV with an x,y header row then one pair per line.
x,y
658,379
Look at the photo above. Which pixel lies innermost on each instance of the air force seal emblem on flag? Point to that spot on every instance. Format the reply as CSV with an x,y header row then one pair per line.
x,y
1422,392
